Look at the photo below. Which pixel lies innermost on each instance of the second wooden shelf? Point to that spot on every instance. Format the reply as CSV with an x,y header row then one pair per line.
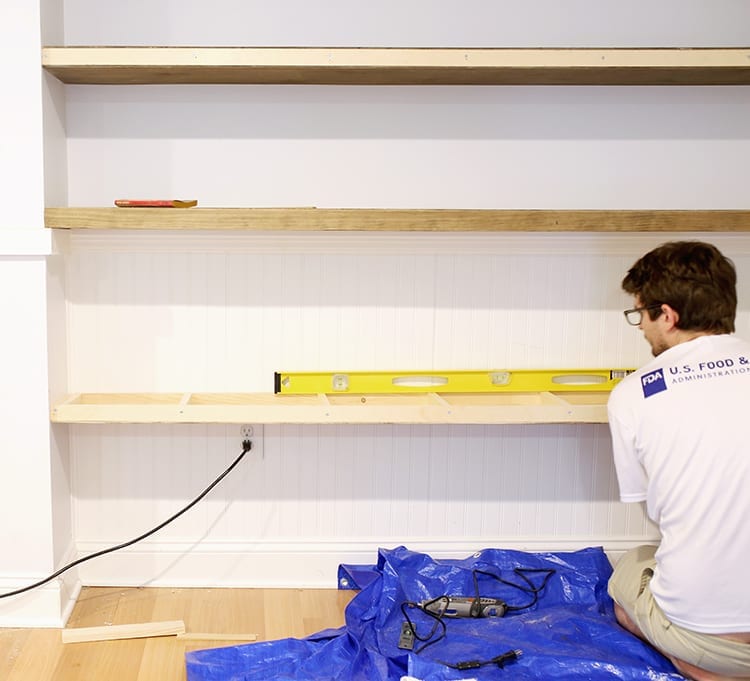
x,y
398,66
423,408
399,220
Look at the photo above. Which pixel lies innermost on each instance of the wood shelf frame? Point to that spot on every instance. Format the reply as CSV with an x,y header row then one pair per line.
x,y
399,220
423,408
398,66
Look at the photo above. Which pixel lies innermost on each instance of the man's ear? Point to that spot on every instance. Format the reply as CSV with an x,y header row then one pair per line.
x,y
670,315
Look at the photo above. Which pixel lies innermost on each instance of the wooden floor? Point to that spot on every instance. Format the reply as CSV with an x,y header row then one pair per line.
x,y
40,655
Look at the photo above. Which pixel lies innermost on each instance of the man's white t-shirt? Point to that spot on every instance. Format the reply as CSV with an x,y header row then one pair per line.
x,y
681,439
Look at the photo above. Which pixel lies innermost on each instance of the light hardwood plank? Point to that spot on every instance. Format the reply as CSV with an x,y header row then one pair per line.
x,y
165,654
29,654
399,66
39,654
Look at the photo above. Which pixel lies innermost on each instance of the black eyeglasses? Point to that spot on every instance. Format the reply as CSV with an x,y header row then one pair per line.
x,y
634,317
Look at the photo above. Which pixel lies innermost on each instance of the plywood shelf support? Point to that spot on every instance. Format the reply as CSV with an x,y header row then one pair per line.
x,y
414,408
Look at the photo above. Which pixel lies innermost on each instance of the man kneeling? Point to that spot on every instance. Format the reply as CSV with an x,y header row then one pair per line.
x,y
680,443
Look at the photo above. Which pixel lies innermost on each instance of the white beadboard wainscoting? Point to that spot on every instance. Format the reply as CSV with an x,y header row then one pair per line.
x,y
307,498
188,312
180,313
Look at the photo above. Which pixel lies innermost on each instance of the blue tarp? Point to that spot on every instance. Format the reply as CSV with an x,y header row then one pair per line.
x,y
569,633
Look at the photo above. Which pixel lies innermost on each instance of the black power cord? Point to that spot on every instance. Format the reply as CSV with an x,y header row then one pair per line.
x,y
527,588
498,660
409,630
428,640
247,445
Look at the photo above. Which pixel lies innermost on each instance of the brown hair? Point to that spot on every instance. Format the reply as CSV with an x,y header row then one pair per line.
x,y
692,277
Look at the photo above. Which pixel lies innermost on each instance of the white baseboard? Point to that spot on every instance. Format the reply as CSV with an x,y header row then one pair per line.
x,y
270,564
288,564
46,606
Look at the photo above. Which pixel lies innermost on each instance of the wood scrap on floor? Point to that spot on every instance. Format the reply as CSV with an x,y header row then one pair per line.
x,y
217,637
118,631
146,630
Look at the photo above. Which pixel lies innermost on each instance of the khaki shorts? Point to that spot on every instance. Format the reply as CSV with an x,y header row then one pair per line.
x,y
629,588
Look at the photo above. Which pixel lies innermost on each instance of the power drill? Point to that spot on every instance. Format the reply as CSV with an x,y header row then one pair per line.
x,y
465,606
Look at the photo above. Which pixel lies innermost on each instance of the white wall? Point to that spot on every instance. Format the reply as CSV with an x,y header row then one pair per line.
x,y
424,147
221,312
185,313
404,23
315,496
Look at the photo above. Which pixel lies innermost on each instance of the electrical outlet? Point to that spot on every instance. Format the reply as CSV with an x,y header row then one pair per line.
x,y
253,435
246,432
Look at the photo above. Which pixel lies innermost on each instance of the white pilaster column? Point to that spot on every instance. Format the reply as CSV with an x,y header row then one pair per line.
x,y
35,533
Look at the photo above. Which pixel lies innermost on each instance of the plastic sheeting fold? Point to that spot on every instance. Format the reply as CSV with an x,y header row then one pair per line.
x,y
569,633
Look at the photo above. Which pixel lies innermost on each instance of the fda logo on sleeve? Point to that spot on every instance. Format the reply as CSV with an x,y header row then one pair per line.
x,y
653,382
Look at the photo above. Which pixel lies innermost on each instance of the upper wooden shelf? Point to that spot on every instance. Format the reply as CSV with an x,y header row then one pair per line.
x,y
399,66
383,219
416,408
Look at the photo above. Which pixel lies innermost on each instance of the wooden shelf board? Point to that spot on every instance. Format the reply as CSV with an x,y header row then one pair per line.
x,y
398,66
398,220
427,408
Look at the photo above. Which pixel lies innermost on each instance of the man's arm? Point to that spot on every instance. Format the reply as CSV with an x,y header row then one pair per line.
x,y
631,475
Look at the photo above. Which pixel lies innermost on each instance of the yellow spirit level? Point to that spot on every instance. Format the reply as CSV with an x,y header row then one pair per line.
x,y
388,382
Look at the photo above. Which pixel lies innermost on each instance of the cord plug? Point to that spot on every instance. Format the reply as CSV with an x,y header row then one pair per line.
x,y
511,655
500,661
247,445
